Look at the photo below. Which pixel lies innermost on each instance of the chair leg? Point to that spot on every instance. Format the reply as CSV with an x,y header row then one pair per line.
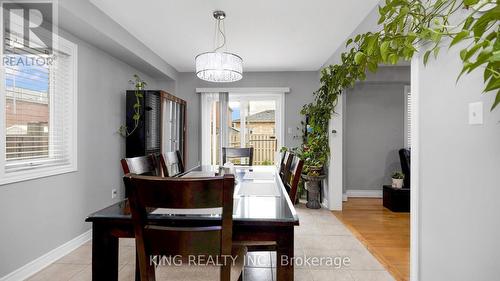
x,y
241,274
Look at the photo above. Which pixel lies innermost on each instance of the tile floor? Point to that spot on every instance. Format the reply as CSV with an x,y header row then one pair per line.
x,y
320,234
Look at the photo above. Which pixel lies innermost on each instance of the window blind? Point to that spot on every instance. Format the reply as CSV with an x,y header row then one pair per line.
x,y
39,109
407,118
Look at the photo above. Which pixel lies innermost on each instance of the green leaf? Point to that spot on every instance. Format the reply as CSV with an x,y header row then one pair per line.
x,y
468,22
463,53
481,24
384,50
436,52
459,37
493,84
348,42
393,58
470,2
372,66
359,57
426,56
495,56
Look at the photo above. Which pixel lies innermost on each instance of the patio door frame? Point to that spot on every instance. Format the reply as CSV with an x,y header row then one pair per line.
x,y
248,94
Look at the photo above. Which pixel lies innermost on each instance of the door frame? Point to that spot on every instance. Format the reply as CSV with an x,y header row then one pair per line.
x,y
278,93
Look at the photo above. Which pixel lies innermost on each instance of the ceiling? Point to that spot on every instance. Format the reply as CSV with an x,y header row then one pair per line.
x,y
270,35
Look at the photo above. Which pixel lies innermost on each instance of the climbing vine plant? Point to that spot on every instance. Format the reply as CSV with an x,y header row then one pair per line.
x,y
408,26
139,86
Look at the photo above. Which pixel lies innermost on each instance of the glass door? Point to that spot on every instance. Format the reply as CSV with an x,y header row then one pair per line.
x,y
246,120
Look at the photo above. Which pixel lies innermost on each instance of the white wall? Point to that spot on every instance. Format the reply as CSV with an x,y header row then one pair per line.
x,y
301,84
374,133
459,188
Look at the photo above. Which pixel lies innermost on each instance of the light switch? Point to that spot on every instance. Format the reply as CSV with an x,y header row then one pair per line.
x,y
290,130
476,113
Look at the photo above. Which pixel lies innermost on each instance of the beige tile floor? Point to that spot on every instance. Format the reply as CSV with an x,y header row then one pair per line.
x,y
320,234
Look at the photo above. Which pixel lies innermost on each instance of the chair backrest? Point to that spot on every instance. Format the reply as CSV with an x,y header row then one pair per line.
x,y
212,238
404,158
230,152
293,177
286,161
171,163
142,165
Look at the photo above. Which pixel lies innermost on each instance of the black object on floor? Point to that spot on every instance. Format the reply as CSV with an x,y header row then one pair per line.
x,y
396,199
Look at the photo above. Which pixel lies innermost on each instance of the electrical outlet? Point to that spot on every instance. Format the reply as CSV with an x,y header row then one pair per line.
x,y
476,113
114,193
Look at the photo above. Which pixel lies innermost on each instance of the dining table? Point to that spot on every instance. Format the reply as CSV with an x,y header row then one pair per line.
x,y
262,214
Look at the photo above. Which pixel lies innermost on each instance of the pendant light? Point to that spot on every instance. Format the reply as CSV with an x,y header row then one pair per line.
x,y
219,66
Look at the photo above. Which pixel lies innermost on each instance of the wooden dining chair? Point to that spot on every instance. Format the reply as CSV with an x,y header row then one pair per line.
x,y
171,163
141,165
293,177
231,152
210,238
286,161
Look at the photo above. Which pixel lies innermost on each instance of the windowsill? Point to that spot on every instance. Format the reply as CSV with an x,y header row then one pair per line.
x,y
20,176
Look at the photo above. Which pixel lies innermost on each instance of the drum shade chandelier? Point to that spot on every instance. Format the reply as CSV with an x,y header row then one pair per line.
x,y
219,66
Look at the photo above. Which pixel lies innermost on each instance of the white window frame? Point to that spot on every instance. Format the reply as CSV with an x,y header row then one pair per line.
x,y
35,173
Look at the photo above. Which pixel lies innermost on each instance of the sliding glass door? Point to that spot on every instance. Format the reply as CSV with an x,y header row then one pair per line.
x,y
250,120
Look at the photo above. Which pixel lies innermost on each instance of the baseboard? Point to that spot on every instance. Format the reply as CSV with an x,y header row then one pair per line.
x,y
40,263
344,197
364,193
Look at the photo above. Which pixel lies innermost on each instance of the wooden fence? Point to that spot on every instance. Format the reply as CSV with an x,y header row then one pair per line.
x,y
264,147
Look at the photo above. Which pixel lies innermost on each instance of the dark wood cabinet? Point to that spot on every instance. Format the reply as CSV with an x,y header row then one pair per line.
x,y
162,125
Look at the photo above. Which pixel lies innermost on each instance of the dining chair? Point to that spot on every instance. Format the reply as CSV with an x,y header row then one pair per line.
x,y
209,239
231,152
293,175
286,161
141,165
171,163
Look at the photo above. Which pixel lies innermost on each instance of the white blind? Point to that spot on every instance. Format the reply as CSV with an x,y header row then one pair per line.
x,y
39,111
407,117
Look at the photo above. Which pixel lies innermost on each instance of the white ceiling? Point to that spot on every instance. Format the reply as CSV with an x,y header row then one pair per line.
x,y
270,35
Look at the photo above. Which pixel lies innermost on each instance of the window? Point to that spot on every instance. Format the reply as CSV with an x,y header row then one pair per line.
x,y
38,120
407,101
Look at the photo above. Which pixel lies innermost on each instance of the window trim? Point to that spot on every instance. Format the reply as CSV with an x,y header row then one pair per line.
x,y
24,175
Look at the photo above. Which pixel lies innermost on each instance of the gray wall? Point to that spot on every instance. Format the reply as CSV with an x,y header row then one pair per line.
x,y
459,164
39,215
374,132
301,84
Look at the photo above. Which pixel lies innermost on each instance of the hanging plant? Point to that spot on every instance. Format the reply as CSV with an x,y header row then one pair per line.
x,y
139,86
406,24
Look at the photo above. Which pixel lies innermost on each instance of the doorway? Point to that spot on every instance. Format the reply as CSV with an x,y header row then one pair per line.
x,y
232,119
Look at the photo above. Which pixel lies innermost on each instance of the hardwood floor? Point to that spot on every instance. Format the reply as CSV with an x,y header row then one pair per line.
x,y
386,234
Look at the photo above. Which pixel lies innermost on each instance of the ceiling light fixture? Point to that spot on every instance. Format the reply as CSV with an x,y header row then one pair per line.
x,y
219,66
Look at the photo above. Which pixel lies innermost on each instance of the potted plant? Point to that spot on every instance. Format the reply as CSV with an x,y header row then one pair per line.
x,y
315,154
397,179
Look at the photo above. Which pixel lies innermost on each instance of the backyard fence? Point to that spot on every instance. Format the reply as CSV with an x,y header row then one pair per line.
x,y
264,145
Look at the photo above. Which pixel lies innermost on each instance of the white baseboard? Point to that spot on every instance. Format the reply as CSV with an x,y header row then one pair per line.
x,y
364,193
40,263
344,197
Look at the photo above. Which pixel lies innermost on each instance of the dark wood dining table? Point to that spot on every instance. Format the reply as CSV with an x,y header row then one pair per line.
x,y
262,212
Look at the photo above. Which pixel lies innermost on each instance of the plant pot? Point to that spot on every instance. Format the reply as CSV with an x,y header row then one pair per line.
x,y
312,187
397,183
